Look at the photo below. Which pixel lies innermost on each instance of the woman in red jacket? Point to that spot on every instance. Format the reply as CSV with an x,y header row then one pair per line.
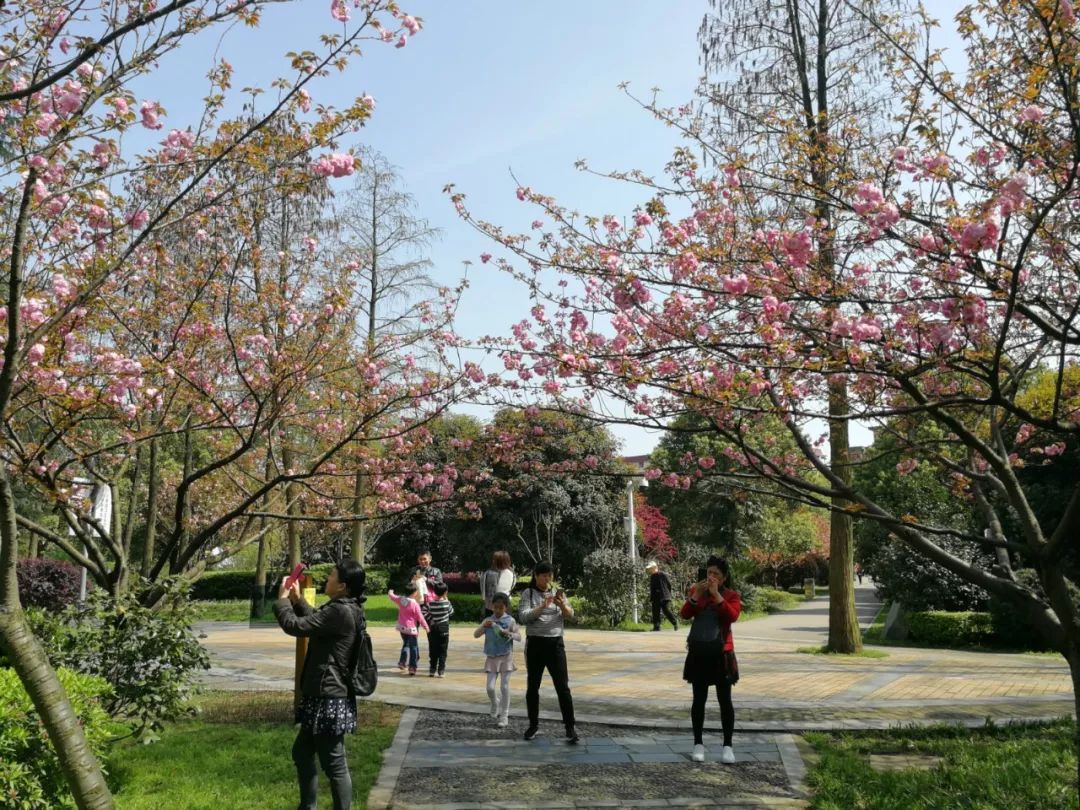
x,y
710,656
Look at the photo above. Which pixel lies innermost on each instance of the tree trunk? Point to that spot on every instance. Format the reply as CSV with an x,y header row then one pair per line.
x,y
80,766
292,528
151,512
844,635
129,518
259,588
358,548
33,547
1074,670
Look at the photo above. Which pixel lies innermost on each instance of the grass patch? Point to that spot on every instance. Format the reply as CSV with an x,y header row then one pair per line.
x,y
378,608
875,633
824,650
1015,766
237,754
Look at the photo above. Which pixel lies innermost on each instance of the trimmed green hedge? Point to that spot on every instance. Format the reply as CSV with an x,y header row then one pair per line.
x,y
949,629
216,586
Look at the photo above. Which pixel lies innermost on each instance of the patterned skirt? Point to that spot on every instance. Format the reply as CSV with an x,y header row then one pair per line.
x,y
327,716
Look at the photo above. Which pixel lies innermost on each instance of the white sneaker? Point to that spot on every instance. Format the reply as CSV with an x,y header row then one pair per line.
x,y
699,753
727,756
504,721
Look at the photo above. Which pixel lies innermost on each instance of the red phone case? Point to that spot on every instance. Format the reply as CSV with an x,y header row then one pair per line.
x,y
295,575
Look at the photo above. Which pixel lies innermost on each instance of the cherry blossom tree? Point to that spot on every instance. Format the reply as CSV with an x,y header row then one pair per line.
x,y
959,291
93,234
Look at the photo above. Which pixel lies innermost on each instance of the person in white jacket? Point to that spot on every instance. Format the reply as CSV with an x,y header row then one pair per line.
x,y
499,578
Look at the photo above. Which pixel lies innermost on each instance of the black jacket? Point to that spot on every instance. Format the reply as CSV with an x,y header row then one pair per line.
x,y
333,631
659,587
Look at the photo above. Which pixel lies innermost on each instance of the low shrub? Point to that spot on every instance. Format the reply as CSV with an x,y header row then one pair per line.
x,y
467,582
468,607
607,586
30,773
149,657
769,600
229,584
950,629
48,583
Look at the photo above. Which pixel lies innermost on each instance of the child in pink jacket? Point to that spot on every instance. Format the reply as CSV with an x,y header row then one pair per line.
x,y
409,622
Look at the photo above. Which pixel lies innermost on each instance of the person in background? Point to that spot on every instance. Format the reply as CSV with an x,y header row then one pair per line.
x,y
660,595
327,708
543,610
710,655
428,572
410,620
499,578
500,631
438,610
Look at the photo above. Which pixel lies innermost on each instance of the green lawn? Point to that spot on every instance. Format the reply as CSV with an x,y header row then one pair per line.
x,y
1016,766
378,608
824,650
237,754
381,611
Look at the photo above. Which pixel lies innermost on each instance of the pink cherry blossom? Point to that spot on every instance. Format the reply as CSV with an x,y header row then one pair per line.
x,y
336,165
401,42
137,219
736,285
1033,113
339,11
411,24
485,257
150,110
642,218
907,466
62,288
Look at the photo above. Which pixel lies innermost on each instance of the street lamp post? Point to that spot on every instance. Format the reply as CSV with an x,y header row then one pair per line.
x,y
632,485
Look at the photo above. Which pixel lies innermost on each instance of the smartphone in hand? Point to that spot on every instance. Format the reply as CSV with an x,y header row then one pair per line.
x,y
295,575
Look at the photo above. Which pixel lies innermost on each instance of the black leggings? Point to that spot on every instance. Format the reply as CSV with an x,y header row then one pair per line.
x,y
330,752
727,710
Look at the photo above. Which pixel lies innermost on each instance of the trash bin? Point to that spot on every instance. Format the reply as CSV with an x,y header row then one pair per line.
x,y
808,587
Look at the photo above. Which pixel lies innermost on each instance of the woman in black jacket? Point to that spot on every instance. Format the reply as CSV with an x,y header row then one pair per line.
x,y
327,709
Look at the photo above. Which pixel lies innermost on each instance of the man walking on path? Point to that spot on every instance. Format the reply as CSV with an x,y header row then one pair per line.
x,y
660,595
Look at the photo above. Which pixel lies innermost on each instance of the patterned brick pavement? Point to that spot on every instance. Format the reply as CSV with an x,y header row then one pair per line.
x,y
632,709
636,677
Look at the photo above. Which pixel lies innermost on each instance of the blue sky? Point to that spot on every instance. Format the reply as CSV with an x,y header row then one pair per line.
x,y
487,88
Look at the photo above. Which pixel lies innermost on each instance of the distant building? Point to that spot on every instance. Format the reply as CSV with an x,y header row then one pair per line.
x,y
640,463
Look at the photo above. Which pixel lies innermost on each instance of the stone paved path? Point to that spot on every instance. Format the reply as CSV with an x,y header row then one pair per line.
x,y
634,678
632,709
611,767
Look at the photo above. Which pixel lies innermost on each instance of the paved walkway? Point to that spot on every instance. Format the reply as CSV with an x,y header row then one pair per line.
x,y
632,710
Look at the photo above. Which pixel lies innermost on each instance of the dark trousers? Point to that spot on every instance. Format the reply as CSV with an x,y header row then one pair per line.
x,y
438,640
410,651
330,752
727,710
550,654
665,606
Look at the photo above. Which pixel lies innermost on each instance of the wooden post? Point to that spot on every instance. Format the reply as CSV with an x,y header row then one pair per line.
x,y
307,589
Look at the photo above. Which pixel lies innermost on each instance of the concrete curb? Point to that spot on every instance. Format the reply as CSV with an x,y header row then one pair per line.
x,y
382,793
793,764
